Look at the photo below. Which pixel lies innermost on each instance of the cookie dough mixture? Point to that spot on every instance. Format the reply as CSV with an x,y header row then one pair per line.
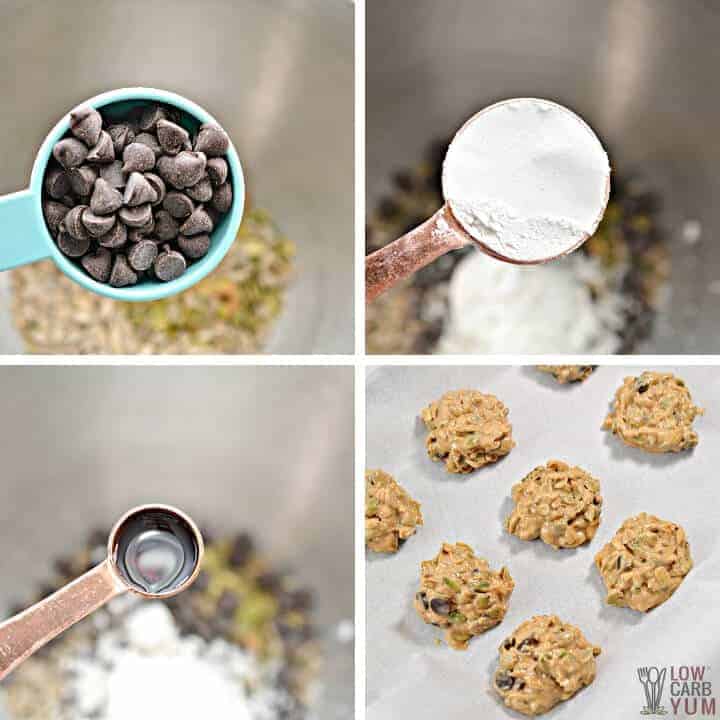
x,y
644,563
568,373
558,503
459,592
654,412
467,430
391,515
544,662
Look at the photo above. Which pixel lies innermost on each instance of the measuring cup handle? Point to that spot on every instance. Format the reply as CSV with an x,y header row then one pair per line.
x,y
411,252
23,634
22,240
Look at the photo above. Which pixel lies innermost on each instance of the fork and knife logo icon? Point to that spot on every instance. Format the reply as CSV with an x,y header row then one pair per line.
x,y
653,680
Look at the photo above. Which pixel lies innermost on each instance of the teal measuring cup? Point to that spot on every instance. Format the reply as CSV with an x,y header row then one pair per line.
x,y
25,238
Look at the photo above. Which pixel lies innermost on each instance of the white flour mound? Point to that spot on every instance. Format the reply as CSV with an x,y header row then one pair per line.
x,y
527,178
496,307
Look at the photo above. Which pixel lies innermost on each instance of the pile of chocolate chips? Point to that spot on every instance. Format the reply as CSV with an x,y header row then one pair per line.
x,y
136,198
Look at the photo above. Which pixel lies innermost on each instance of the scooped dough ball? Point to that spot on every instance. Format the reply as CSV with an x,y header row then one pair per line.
x,y
459,592
558,503
644,563
654,412
568,373
467,429
391,515
544,662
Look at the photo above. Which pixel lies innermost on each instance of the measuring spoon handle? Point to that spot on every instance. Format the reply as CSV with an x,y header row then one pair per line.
x,y
413,251
23,237
28,631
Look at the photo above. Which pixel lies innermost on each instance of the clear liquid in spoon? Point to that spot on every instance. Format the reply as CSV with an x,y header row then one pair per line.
x,y
154,559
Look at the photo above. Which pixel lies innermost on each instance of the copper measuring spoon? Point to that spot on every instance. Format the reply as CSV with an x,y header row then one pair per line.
x,y
28,631
442,233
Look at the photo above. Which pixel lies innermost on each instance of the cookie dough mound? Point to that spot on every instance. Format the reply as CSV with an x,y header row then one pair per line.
x,y
459,592
544,662
467,430
644,563
391,515
558,503
654,412
568,373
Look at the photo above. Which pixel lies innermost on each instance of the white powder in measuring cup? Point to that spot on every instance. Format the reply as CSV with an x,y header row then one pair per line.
x,y
527,178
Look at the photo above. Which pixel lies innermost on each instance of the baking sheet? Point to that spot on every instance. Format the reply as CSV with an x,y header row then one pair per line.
x,y
410,674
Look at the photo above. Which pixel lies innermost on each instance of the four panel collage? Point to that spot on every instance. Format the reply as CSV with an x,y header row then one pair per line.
x,y
359,359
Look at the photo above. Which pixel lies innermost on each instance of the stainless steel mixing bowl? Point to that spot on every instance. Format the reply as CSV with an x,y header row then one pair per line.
x,y
264,449
278,74
642,72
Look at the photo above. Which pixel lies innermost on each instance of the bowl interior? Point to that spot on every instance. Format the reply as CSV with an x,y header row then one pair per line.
x,y
637,72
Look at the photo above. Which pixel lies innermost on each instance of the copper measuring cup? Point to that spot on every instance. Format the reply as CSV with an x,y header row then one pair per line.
x,y
28,631
442,233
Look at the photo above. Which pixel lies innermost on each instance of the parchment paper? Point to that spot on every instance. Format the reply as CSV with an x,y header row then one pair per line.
x,y
410,674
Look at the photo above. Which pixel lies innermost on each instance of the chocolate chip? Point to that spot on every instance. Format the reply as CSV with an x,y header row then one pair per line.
x,y
86,124
166,228
149,226
150,116
179,205
504,681
137,216
73,222
172,137
142,255
202,191
440,606
70,153
213,214
103,151
194,247
269,582
116,238
212,140
136,235
159,185
122,274
222,198
217,170
241,550
98,264
198,223
298,600
112,173
97,225
82,180
183,170
228,602
54,213
57,183
149,141
138,157
527,643
169,265
122,134
105,199
139,191
202,582
72,247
